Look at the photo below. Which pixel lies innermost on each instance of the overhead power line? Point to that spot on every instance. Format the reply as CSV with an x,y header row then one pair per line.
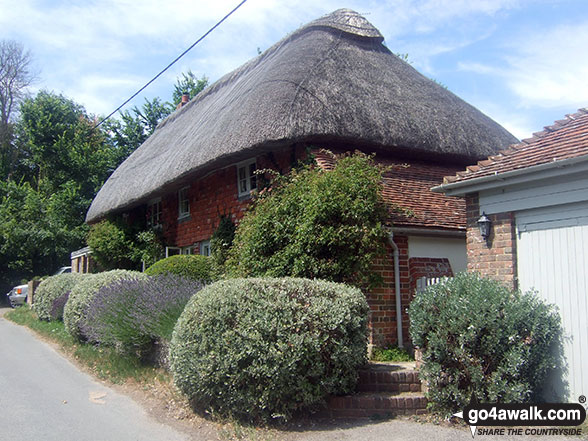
x,y
172,63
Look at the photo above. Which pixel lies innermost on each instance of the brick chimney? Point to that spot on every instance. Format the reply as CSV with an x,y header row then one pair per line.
x,y
185,100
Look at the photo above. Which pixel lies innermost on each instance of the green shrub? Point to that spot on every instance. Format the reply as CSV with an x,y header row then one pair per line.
x,y
316,224
111,248
222,240
50,294
192,266
478,337
80,297
258,349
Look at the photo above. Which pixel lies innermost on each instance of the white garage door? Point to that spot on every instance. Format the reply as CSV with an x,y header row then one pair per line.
x,y
552,258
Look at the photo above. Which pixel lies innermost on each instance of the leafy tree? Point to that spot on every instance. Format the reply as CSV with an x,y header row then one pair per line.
x,y
316,224
188,83
58,143
137,124
38,231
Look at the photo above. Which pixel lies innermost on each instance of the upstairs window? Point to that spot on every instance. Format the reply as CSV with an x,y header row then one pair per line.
x,y
154,213
183,203
246,178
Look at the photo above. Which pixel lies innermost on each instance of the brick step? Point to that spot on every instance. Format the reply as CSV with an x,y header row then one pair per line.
x,y
375,405
378,377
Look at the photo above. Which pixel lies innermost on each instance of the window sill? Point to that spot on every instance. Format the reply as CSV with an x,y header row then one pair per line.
x,y
244,197
184,218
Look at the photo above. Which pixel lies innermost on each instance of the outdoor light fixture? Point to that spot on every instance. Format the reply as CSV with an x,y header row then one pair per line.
x,y
484,224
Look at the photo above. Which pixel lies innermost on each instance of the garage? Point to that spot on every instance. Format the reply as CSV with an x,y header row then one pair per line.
x,y
552,259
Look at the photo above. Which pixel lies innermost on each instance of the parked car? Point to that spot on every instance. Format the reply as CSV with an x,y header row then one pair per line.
x,y
18,295
63,269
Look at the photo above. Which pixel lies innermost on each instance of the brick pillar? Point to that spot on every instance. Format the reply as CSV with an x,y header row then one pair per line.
x,y
496,257
33,284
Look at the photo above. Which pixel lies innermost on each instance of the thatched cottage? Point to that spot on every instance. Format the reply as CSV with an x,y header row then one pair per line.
x,y
331,84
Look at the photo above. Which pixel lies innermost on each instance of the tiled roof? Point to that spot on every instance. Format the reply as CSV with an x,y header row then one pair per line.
x,y
566,139
407,192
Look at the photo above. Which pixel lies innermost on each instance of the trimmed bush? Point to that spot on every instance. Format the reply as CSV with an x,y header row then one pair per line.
x,y
478,337
80,297
195,267
51,293
258,349
132,314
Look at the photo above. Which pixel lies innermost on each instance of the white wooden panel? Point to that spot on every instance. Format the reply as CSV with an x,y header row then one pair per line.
x,y
554,262
452,249
544,193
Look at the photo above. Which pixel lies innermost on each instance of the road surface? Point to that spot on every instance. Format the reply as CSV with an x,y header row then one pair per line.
x,y
45,397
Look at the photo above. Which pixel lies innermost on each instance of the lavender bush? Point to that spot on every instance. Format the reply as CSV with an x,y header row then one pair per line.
x,y
81,296
132,314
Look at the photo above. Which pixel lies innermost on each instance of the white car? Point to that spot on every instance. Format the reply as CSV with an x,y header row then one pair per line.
x,y
18,295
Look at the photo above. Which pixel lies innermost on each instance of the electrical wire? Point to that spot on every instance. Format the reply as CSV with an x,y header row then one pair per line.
x,y
172,63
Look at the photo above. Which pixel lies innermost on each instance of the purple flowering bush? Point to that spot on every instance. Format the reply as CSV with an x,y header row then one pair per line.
x,y
81,296
131,314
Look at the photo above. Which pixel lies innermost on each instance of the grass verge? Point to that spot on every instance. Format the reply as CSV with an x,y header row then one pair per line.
x,y
103,362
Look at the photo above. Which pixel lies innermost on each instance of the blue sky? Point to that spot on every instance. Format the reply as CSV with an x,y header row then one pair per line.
x,y
522,62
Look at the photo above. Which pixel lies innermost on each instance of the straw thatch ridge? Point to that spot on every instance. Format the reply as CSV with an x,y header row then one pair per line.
x,y
331,79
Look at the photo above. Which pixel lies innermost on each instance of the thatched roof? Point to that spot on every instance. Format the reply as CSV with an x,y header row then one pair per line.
x,y
332,79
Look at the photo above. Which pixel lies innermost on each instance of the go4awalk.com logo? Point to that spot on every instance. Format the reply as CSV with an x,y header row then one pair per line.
x,y
529,419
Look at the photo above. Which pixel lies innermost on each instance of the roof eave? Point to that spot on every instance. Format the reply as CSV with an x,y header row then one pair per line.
x,y
527,174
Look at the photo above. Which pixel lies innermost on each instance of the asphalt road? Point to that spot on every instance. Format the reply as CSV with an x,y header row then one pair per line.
x,y
45,397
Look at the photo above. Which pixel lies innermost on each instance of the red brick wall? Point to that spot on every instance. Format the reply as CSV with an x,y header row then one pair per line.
x,y
216,194
382,300
212,196
495,258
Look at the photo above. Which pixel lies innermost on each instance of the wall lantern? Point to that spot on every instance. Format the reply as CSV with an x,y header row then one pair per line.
x,y
484,224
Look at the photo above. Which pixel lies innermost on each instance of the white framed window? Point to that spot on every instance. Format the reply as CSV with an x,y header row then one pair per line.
x,y
172,251
246,178
188,250
154,213
205,248
183,203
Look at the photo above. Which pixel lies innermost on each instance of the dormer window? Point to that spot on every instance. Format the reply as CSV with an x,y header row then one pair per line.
x,y
246,178
183,203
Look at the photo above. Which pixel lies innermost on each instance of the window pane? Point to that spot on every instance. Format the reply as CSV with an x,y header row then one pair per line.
x,y
252,176
183,202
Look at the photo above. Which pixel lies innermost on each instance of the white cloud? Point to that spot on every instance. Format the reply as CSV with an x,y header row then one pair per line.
x,y
125,42
550,67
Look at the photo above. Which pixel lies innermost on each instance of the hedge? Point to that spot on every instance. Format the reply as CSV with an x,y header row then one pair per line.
x,y
479,338
52,293
196,267
259,349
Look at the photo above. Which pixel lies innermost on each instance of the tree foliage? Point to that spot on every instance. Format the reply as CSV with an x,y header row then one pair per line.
x,y
53,160
316,224
189,84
